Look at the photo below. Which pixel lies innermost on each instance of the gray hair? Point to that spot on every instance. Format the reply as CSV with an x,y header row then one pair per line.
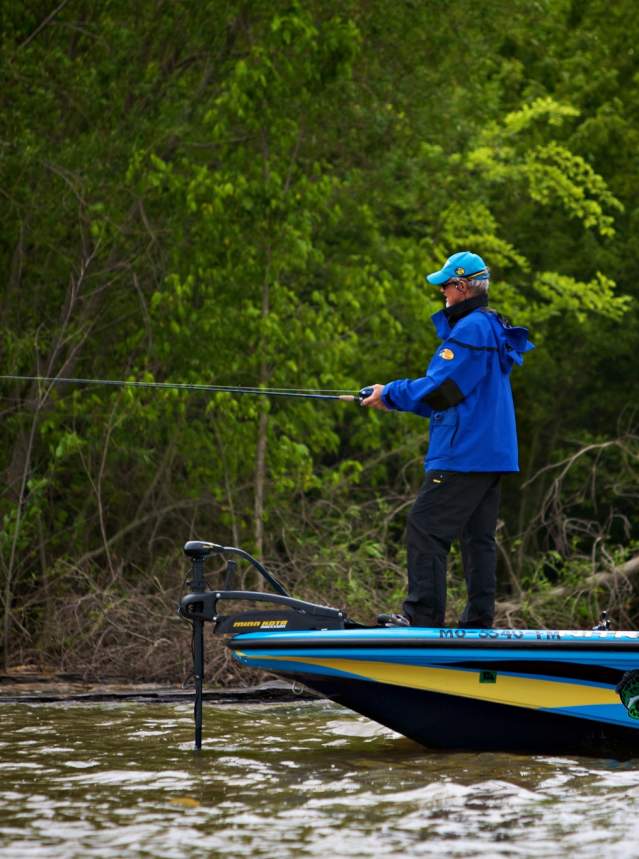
x,y
478,287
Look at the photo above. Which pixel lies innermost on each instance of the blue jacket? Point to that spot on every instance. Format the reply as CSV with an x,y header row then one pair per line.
x,y
466,393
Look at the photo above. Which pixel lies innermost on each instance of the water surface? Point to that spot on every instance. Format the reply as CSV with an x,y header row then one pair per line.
x,y
289,780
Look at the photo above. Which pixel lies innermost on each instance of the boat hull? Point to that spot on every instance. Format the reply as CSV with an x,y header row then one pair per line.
x,y
437,720
530,691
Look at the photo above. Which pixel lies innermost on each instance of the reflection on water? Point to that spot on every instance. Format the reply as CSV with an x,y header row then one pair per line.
x,y
300,780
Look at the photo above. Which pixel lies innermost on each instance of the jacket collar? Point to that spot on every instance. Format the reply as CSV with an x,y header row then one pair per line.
x,y
458,311
444,320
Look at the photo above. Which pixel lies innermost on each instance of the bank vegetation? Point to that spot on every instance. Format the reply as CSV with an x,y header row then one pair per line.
x,y
249,193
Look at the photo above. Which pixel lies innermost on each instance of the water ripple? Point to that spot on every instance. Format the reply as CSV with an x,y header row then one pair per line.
x,y
304,780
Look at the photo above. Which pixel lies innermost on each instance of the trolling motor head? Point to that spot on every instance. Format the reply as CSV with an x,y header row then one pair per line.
x,y
199,549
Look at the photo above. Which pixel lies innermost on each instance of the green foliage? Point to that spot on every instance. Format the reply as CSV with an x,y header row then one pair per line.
x,y
250,194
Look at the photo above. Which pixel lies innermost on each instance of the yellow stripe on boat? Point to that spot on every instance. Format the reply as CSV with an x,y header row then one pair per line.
x,y
507,689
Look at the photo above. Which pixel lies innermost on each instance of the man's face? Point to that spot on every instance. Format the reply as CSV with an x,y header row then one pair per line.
x,y
454,291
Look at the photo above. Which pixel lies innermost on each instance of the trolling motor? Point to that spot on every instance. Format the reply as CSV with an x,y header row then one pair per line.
x,y
200,607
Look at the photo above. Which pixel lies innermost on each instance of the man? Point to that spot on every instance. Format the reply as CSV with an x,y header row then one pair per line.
x,y
473,441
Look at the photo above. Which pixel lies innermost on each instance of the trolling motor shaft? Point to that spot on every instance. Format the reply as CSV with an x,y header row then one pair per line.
x,y
198,586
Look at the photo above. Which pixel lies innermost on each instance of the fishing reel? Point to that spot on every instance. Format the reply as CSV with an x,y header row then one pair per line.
x,y
365,393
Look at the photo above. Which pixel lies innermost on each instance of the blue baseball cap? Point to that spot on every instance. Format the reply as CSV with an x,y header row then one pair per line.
x,y
463,264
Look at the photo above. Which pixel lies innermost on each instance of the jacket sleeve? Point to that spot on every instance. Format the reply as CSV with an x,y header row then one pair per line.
x,y
456,369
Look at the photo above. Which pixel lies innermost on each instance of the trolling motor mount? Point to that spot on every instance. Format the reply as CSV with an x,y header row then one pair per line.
x,y
201,603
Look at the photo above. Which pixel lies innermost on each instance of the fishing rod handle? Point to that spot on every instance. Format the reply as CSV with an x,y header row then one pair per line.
x,y
357,398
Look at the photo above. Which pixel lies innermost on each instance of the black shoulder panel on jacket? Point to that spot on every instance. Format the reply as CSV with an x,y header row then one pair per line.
x,y
448,394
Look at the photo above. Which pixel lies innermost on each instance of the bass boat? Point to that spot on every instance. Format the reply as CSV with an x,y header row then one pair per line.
x,y
528,690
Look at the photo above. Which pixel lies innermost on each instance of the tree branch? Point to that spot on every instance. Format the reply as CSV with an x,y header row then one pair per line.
x,y
44,23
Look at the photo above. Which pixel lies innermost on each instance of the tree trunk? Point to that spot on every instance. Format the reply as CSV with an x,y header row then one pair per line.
x,y
262,429
260,480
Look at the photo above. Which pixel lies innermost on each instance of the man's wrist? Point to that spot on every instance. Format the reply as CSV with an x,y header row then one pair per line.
x,y
386,398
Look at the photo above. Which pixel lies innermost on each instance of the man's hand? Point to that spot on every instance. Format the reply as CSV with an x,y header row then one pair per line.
x,y
375,399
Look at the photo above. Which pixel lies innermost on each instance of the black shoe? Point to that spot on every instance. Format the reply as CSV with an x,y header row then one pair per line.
x,y
475,624
392,620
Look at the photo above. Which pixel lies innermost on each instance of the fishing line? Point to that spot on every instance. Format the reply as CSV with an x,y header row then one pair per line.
x,y
304,393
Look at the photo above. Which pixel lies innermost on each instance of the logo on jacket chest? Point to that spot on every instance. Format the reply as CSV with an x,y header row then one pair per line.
x,y
447,354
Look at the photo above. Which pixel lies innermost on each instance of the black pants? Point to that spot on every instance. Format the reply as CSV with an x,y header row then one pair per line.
x,y
453,504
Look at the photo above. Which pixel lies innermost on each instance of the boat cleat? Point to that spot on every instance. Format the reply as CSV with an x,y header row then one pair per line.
x,y
392,620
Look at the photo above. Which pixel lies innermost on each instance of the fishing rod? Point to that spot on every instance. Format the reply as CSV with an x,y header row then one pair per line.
x,y
303,393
